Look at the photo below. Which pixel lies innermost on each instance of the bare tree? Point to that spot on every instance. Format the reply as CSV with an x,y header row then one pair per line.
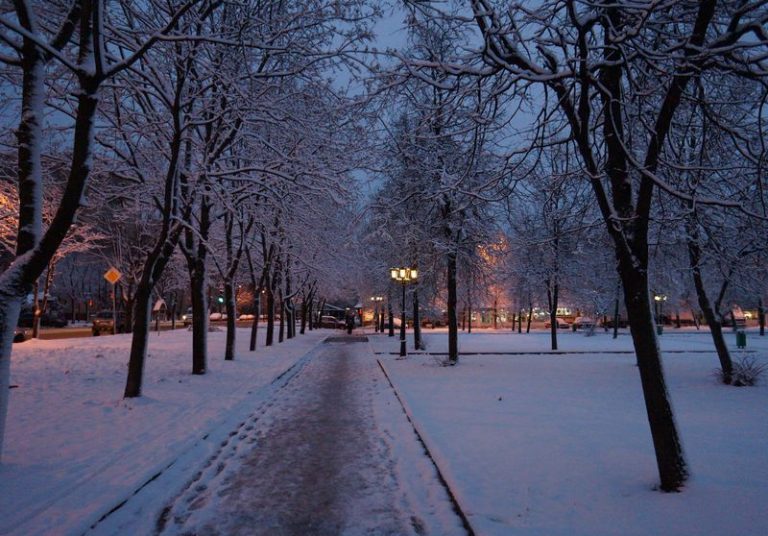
x,y
612,70
30,41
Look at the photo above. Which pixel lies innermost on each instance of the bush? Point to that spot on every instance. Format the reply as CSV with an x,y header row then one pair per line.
x,y
746,372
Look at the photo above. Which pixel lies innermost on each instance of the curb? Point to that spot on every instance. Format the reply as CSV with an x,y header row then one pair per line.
x,y
451,495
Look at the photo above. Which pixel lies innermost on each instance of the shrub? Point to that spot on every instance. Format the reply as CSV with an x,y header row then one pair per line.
x,y
746,372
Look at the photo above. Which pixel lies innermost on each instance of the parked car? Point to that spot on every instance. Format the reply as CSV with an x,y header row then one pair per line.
x,y
583,322
245,317
21,334
623,323
48,319
331,322
218,316
735,318
186,318
104,322
396,322
561,324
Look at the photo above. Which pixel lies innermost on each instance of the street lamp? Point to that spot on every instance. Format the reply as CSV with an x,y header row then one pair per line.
x,y
659,299
403,276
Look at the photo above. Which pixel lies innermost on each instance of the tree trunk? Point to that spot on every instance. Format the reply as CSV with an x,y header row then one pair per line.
x,y
553,297
231,308
761,316
199,291
255,323
303,316
258,289
49,274
391,317
9,316
37,311
416,321
453,327
667,445
530,317
469,316
281,332
139,340
715,327
270,316
290,321
29,137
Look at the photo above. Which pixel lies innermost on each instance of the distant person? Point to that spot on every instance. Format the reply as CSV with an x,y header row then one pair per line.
x,y
350,323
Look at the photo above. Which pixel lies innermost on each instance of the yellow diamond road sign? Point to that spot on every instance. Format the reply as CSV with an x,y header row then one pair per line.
x,y
112,275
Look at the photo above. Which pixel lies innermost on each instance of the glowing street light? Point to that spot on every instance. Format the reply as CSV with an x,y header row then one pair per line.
x,y
403,276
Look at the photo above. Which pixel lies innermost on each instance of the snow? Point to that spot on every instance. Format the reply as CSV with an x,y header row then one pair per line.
x,y
542,444
75,449
529,442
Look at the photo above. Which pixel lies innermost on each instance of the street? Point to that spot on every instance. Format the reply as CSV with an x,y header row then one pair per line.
x,y
84,330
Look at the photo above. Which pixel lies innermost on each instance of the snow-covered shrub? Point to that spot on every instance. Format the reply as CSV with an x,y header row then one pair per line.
x,y
746,372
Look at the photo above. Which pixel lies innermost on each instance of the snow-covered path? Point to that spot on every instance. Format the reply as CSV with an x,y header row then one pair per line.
x,y
331,454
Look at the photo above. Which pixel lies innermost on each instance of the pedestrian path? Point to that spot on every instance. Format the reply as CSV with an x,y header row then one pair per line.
x,y
331,454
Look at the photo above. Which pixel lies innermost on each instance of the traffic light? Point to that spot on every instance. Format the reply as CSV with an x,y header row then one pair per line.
x,y
220,299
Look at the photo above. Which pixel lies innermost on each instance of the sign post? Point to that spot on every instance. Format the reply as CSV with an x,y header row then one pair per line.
x,y
113,276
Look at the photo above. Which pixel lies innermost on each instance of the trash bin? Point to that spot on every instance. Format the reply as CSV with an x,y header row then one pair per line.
x,y
741,339
659,329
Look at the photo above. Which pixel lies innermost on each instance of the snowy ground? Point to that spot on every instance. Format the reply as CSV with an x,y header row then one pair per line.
x,y
75,449
537,444
530,443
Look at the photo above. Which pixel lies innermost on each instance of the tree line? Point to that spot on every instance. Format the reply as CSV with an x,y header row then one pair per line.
x,y
202,135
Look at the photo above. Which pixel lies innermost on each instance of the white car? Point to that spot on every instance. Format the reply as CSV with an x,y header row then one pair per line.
x,y
187,318
218,316
328,321
395,322
583,322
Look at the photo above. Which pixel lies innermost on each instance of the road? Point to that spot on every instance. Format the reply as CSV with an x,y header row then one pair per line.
x,y
71,332
318,460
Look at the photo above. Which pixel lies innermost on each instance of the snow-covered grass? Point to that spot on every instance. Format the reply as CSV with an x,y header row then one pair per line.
x,y
530,443
559,444
75,449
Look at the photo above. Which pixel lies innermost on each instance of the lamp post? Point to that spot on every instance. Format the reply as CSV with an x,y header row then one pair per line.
x,y
403,276
659,299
